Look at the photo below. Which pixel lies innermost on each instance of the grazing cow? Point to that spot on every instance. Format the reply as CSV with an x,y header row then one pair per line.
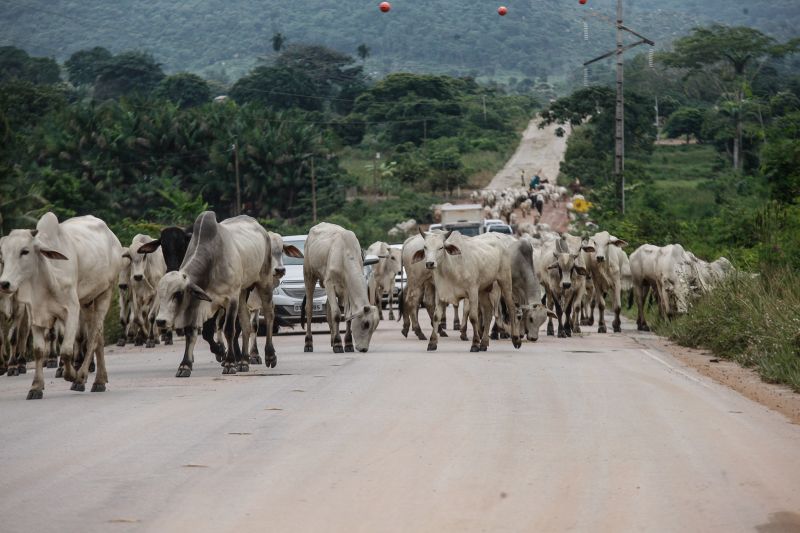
x,y
224,260
146,270
468,268
64,272
709,275
668,272
123,286
333,258
255,305
607,262
383,275
561,273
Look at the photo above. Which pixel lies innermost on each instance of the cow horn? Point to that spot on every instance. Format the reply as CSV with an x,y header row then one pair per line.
x,y
447,235
421,232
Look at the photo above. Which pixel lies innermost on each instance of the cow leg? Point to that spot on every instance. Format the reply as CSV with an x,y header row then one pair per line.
x,y
309,303
474,310
268,310
411,313
568,315
378,304
209,329
70,334
244,325
348,337
549,303
255,357
152,331
457,324
185,368
559,315
486,313
52,344
601,311
505,289
390,302
36,391
229,331
123,318
616,304
640,294
438,313
464,319
93,328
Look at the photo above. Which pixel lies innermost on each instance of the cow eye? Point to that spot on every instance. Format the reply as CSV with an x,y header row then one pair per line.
x,y
177,296
24,251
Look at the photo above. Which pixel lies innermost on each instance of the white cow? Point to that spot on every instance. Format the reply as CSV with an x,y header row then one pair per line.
x,y
468,268
333,258
383,275
610,272
563,275
418,290
124,289
146,270
64,272
224,260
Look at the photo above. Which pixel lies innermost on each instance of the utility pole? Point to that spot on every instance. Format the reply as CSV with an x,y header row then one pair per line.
x,y
484,108
313,191
238,209
619,134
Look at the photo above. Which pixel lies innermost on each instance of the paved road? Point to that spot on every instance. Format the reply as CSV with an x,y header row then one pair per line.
x,y
540,151
590,434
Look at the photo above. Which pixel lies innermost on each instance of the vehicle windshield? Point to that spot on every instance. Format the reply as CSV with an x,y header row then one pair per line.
x,y
469,231
500,229
292,260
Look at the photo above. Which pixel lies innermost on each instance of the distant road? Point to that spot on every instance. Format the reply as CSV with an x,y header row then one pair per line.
x,y
593,433
540,151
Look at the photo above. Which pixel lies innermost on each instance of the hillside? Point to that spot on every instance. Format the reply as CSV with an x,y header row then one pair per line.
x,y
538,38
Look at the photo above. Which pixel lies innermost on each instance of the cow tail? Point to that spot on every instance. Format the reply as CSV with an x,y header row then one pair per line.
x,y
401,304
303,313
630,298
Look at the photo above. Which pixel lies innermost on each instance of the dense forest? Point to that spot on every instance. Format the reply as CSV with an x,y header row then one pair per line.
x,y
225,39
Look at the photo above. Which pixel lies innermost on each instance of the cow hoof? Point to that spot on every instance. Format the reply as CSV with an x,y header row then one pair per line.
x,y
183,373
121,342
474,348
138,343
271,361
404,332
431,347
308,348
443,333
420,336
602,329
255,360
456,326
22,369
338,349
168,341
3,370
391,316
568,333
516,342
464,337
550,332
150,344
584,322
35,395
494,336
484,348
60,372
617,329
228,370
52,363
99,387
242,367
505,336
562,335
645,327
92,368
79,387
349,349
13,371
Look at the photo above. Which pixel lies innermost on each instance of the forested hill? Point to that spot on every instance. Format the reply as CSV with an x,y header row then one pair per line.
x,y
537,37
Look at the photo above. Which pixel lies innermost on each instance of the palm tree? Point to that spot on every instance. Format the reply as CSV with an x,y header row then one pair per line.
x,y
278,40
363,52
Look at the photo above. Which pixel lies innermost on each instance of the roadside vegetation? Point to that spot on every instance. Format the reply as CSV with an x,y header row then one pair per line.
x,y
734,95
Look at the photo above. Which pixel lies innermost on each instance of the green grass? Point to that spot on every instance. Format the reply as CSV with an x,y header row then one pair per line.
x,y
751,320
693,162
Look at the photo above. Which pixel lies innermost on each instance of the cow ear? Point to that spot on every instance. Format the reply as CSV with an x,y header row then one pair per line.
x,y
418,256
452,249
34,232
367,309
619,242
292,251
199,293
551,314
52,254
553,266
127,255
580,270
149,247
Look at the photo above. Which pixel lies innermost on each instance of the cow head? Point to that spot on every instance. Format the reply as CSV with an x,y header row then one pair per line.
x,y
178,299
436,246
565,263
173,243
532,317
22,254
362,325
138,260
124,277
599,243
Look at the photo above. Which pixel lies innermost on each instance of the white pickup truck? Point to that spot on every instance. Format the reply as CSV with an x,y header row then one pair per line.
x,y
466,218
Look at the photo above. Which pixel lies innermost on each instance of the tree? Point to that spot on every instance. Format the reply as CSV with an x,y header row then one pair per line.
x,y
278,87
686,121
127,73
728,58
184,90
780,158
363,52
12,63
84,66
17,64
278,40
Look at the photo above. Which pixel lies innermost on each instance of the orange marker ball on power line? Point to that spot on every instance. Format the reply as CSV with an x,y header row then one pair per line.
x,y
582,2
502,10
385,7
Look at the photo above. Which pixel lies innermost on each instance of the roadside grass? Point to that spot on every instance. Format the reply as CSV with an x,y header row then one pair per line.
x,y
482,165
694,162
754,321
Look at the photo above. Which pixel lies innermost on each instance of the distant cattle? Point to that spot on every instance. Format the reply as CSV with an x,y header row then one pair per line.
x,y
64,272
333,258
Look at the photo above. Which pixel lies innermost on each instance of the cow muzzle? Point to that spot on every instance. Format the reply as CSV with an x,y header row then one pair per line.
x,y
280,271
5,286
601,259
430,265
161,323
566,285
138,277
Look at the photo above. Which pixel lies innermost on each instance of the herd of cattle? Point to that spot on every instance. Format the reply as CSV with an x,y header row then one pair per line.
x,y
502,204
215,279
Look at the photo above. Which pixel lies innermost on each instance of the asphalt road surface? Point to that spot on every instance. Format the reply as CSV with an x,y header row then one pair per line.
x,y
598,433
